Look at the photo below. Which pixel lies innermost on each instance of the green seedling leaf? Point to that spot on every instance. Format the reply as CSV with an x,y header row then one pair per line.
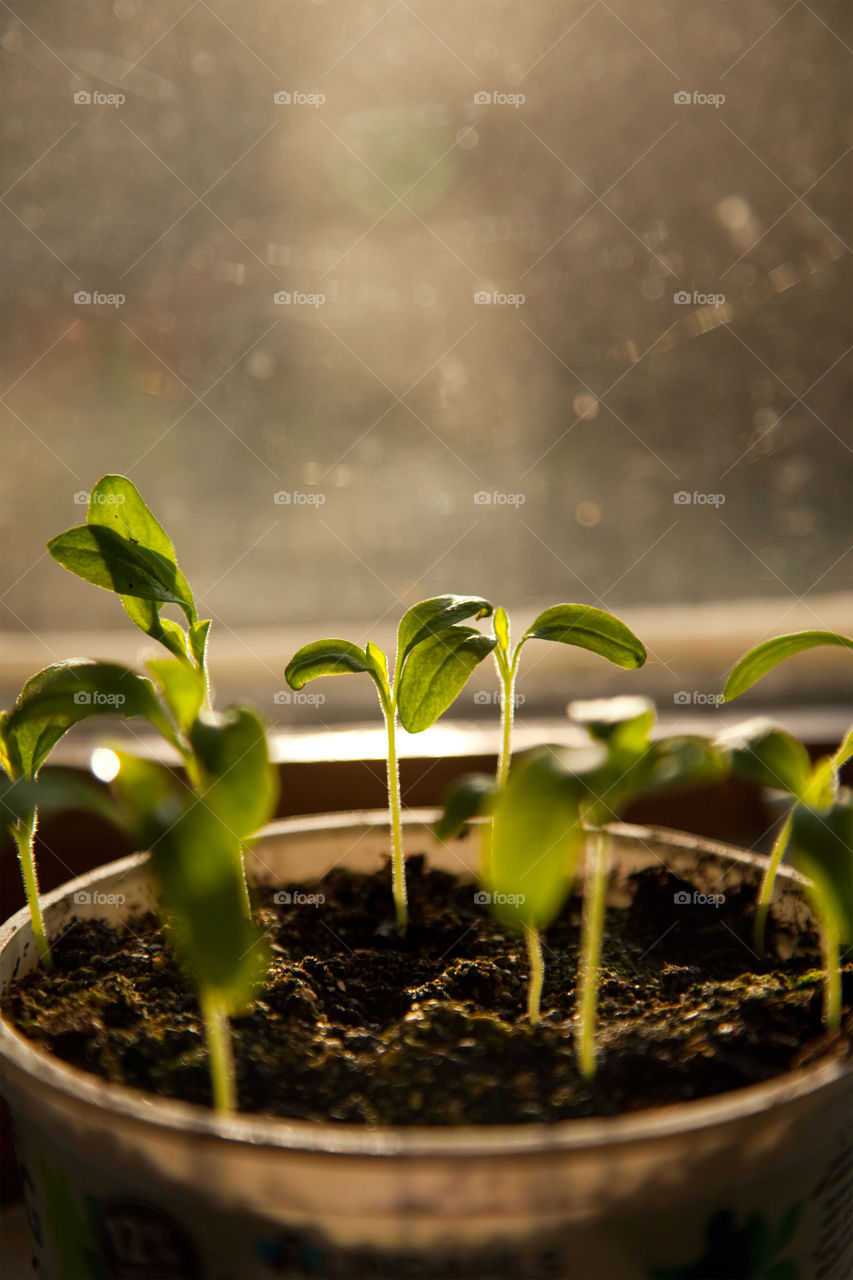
x,y
680,761
198,641
431,616
55,791
764,657
183,689
146,615
537,835
845,750
765,754
67,692
241,782
501,628
822,850
589,628
470,797
331,658
107,560
623,722
436,672
822,785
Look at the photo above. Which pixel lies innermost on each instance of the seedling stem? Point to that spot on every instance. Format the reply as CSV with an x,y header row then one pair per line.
x,y
595,894
537,972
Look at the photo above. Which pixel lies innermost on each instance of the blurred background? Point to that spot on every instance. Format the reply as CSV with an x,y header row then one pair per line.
x,y
374,301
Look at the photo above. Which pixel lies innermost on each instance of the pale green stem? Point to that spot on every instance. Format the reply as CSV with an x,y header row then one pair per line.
x,y
221,1054
595,895
765,893
507,719
537,972
831,978
24,833
398,869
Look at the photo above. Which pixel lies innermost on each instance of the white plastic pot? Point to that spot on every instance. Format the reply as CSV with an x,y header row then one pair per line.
x,y
124,1184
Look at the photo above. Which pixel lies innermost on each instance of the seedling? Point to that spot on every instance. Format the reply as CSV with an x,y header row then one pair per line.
x,y
822,849
572,624
777,760
435,657
196,834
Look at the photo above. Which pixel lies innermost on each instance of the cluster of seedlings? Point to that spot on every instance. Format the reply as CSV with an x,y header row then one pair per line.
x,y
542,819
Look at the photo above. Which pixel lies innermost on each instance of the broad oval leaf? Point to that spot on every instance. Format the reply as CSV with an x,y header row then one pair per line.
x,y
106,559
436,672
536,839
589,628
242,783
329,658
437,614
765,754
471,796
66,692
755,664
822,850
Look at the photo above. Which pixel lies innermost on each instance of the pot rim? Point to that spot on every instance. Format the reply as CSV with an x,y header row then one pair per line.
x,y
19,1058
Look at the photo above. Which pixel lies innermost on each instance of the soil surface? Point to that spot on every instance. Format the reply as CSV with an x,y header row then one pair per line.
x,y
358,1026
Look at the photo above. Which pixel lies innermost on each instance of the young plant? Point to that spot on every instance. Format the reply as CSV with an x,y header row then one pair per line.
x,y
435,657
822,850
196,832
572,624
777,760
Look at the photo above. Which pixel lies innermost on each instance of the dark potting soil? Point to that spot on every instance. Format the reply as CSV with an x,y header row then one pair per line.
x,y
358,1026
